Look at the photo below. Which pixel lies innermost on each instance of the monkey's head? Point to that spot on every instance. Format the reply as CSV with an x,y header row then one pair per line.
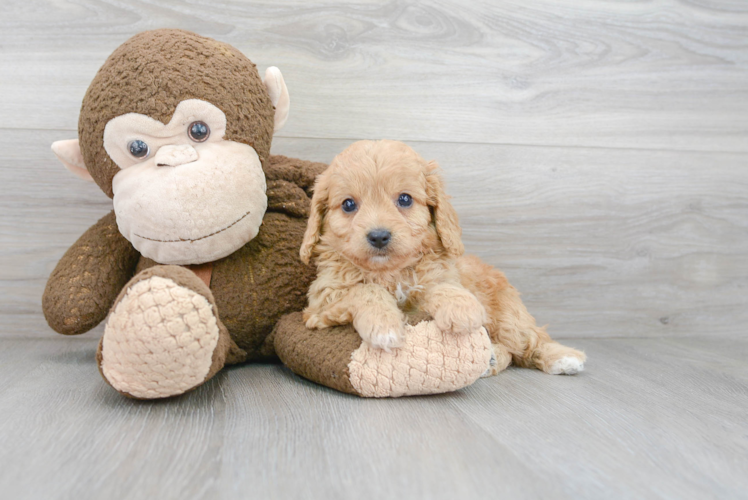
x,y
175,128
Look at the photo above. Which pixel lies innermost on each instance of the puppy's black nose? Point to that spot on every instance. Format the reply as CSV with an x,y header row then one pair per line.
x,y
379,238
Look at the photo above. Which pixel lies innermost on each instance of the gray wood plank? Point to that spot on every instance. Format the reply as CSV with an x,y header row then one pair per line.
x,y
613,243
66,434
651,418
253,431
311,442
662,75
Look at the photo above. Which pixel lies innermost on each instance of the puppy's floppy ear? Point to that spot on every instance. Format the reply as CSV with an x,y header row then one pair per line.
x,y
445,217
317,215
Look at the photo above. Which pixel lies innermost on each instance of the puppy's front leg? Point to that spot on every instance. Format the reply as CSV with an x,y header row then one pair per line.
x,y
376,317
454,308
372,310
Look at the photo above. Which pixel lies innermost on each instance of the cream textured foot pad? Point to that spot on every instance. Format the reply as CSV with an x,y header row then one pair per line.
x,y
159,340
429,362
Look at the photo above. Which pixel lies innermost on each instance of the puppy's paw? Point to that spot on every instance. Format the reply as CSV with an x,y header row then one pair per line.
x,y
387,340
380,329
462,313
314,321
568,365
557,359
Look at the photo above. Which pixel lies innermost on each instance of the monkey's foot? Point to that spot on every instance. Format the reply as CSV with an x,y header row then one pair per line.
x,y
160,340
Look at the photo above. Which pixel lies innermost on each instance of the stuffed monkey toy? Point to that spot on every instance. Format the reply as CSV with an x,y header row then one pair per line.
x,y
198,262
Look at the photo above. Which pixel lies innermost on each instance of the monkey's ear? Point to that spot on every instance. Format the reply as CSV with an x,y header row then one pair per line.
x,y
278,95
69,153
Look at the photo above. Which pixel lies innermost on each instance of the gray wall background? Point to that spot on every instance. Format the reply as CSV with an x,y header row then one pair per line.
x,y
596,151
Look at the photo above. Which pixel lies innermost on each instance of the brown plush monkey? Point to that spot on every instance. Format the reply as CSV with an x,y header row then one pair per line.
x,y
176,128
200,257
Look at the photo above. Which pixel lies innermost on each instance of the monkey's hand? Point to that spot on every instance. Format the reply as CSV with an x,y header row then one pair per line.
x,y
88,278
301,173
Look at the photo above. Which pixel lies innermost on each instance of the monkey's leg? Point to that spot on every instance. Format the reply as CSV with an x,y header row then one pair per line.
x,y
430,361
510,324
163,336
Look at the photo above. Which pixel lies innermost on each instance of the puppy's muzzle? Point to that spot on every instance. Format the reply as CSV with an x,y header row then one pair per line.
x,y
379,238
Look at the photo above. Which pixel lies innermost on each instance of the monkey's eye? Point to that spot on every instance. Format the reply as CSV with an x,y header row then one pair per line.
x,y
138,148
405,200
199,131
349,206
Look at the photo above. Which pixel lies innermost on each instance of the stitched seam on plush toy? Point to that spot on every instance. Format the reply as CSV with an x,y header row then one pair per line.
x,y
197,239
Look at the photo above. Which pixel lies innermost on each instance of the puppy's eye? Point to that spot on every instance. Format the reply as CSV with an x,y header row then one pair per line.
x,y
199,131
404,200
349,206
138,148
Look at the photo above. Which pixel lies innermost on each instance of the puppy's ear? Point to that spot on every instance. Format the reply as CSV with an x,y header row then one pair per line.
x,y
445,217
316,217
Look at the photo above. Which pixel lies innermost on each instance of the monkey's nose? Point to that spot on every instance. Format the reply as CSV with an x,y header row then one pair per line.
x,y
173,156
379,238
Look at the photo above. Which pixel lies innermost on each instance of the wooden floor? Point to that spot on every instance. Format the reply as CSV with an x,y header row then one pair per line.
x,y
653,418
597,152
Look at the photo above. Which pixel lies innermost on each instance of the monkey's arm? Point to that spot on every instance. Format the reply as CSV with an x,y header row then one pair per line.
x,y
88,278
290,182
299,172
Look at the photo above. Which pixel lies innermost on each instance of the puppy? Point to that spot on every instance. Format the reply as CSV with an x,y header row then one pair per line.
x,y
387,240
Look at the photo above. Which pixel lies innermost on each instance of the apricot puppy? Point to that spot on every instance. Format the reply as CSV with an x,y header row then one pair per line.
x,y
387,240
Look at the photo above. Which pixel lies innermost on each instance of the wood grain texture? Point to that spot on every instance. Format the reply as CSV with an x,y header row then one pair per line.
x,y
653,418
613,243
655,75
596,152
643,421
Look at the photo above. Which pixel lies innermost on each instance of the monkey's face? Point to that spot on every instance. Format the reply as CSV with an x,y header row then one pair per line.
x,y
184,194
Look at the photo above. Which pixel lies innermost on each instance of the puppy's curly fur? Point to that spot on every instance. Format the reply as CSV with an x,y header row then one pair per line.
x,y
418,265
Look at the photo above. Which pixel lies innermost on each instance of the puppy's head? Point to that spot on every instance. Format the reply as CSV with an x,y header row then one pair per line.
x,y
381,206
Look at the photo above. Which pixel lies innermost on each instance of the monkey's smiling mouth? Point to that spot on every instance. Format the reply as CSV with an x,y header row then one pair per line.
x,y
184,240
